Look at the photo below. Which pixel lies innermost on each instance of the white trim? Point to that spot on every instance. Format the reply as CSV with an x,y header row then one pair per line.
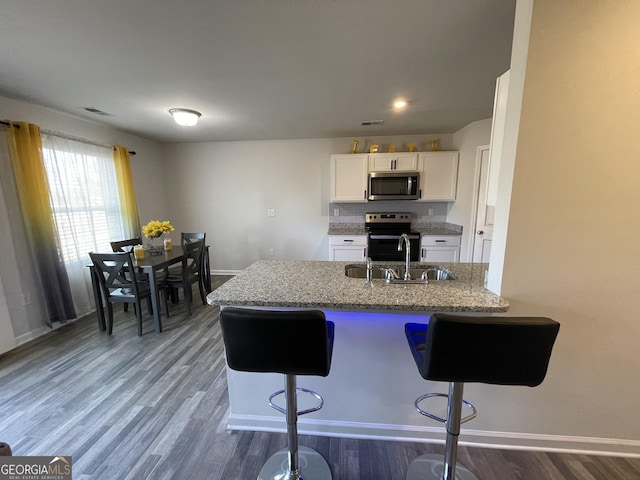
x,y
225,272
43,330
426,434
474,204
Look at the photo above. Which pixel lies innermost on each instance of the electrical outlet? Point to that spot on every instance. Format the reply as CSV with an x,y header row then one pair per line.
x,y
272,252
26,299
271,212
336,212
431,212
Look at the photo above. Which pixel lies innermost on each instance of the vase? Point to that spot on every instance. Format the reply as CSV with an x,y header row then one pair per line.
x,y
152,248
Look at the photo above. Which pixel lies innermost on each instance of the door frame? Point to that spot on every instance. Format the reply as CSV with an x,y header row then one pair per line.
x,y
476,191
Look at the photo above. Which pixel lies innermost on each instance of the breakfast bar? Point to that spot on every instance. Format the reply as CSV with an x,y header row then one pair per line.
x,y
373,381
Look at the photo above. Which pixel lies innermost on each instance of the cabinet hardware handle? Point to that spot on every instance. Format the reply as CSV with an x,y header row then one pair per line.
x,y
441,241
480,232
365,194
346,240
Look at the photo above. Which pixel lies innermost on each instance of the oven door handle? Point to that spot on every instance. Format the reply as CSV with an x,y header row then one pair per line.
x,y
375,236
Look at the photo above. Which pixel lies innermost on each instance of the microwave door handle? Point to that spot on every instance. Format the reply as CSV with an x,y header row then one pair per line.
x,y
409,182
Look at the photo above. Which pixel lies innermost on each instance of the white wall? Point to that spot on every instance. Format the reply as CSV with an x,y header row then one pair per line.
x,y
467,141
150,177
572,236
225,189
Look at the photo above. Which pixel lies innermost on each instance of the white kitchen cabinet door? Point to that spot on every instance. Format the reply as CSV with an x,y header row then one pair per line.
x,y
440,248
439,176
440,254
349,175
348,248
387,162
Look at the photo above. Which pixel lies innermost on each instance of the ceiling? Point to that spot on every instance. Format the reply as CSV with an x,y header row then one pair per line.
x,y
259,69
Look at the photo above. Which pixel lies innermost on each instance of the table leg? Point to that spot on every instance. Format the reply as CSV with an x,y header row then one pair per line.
x,y
154,300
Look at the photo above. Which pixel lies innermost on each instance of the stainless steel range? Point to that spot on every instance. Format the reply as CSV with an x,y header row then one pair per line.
x,y
384,230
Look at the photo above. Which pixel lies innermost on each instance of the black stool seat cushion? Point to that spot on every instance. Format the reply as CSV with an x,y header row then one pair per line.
x,y
291,342
495,350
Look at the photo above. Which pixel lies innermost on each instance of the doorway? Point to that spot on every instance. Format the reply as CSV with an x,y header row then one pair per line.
x,y
484,210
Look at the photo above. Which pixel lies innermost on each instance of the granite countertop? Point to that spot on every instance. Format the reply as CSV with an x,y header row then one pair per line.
x,y
323,285
422,228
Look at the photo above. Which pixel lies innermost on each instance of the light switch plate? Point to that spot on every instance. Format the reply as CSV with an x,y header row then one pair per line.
x,y
271,212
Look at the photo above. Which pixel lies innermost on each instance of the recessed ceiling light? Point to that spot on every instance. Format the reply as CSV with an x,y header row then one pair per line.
x,y
185,117
399,104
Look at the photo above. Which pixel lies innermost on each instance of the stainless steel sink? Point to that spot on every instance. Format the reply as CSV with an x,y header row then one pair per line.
x,y
360,271
419,274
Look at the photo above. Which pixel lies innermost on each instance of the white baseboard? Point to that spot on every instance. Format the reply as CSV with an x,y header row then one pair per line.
x,y
43,330
470,438
225,272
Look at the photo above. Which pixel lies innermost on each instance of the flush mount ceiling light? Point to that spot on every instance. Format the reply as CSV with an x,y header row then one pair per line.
x,y
399,103
185,117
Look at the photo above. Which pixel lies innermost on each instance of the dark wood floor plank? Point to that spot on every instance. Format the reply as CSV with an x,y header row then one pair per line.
x,y
155,407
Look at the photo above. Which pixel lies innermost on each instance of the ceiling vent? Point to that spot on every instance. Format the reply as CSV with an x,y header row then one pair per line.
x,y
372,123
97,112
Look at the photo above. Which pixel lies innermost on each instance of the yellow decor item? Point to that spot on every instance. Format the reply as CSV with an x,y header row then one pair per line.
x,y
154,228
355,146
373,148
392,148
411,147
434,147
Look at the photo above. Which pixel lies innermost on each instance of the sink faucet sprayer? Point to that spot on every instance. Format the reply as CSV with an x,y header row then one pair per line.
x,y
407,257
369,268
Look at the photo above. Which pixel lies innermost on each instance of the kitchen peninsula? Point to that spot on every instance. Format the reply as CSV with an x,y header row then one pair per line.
x,y
373,380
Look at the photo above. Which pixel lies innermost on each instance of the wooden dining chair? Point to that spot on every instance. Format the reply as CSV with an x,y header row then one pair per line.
x,y
187,237
120,244
191,272
113,271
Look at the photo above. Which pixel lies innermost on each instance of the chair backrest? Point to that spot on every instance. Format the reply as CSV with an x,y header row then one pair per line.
x,y
193,258
188,237
113,272
289,342
131,242
495,350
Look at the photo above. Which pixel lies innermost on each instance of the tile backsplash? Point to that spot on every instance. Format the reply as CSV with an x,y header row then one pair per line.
x,y
355,212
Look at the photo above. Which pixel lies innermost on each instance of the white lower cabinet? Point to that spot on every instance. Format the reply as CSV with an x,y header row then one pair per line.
x,y
440,248
348,248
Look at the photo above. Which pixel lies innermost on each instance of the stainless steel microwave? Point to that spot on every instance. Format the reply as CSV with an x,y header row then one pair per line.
x,y
394,186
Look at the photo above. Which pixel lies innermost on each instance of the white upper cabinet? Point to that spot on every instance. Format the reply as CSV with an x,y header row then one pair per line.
x,y
349,175
387,162
438,176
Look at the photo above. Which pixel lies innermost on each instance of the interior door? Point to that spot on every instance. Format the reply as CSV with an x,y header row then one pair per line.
x,y
485,212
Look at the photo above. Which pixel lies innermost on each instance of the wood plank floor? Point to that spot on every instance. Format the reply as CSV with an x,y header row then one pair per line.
x,y
154,407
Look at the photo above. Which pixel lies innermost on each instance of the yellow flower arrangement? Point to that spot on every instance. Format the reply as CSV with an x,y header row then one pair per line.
x,y
155,228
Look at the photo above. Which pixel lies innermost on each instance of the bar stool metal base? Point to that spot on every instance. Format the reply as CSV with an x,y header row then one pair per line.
x,y
312,465
431,467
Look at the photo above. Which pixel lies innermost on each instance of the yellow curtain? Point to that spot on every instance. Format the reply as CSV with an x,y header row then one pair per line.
x,y
25,149
128,204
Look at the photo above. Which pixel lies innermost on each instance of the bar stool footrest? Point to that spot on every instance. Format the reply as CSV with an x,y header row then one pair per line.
x,y
300,412
471,416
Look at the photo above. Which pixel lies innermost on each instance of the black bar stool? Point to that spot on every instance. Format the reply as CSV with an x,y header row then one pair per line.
x,y
458,349
292,343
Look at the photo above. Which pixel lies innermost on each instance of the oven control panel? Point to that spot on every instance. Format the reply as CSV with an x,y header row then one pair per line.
x,y
385,217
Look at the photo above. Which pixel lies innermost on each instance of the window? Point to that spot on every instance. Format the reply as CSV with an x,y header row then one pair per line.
x,y
85,204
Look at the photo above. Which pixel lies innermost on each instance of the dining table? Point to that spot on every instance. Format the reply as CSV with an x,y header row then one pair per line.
x,y
150,265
